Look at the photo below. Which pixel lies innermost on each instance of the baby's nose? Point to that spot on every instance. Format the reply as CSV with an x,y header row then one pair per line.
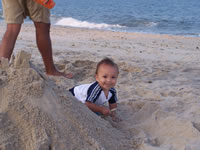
x,y
109,79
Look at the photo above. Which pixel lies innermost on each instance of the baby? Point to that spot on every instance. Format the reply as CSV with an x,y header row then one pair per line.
x,y
95,95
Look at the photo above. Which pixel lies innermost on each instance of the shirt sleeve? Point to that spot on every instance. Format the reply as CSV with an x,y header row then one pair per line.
x,y
113,98
93,92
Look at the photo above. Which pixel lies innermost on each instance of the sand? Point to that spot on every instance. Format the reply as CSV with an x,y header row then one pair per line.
x,y
158,92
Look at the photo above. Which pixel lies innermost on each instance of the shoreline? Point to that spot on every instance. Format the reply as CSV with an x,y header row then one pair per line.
x,y
27,23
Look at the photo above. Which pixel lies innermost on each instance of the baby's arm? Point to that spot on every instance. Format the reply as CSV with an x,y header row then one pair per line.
x,y
96,108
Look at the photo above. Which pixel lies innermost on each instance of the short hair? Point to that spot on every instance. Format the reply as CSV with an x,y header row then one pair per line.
x,y
107,61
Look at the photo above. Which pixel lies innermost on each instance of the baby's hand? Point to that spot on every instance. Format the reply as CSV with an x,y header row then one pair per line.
x,y
114,116
116,119
105,111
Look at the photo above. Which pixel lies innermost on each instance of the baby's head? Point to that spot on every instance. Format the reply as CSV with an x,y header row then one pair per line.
x,y
106,73
109,62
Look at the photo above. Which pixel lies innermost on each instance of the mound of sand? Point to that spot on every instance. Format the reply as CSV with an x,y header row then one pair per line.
x,y
36,114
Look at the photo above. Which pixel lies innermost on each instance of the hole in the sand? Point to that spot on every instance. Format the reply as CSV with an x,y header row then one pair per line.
x,y
153,142
196,125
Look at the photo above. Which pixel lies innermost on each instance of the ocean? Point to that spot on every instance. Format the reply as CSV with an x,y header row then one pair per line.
x,y
175,17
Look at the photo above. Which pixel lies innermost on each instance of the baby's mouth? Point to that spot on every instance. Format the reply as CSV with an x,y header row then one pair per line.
x,y
108,85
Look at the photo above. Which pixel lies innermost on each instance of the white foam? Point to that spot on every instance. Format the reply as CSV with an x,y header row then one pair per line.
x,y
84,24
151,24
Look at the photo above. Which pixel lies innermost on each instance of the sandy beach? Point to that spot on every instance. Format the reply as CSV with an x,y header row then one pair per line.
x,y
158,91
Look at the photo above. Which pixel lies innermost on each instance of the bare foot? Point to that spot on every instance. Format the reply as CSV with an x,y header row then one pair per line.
x,y
59,74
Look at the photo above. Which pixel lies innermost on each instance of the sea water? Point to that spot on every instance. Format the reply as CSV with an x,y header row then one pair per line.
x,y
176,17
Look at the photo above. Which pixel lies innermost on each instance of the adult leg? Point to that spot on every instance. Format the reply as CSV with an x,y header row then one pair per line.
x,y
9,40
44,45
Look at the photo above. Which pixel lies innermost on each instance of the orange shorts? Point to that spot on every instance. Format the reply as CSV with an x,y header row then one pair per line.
x,y
15,11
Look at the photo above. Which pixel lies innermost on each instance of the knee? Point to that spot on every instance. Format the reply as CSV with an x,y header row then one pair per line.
x,y
42,27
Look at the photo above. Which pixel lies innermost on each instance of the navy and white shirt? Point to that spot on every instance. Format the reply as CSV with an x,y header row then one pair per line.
x,y
93,93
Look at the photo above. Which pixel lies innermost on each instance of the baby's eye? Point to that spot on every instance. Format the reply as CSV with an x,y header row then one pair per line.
x,y
104,76
113,77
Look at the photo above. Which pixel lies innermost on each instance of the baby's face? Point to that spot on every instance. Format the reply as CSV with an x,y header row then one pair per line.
x,y
107,76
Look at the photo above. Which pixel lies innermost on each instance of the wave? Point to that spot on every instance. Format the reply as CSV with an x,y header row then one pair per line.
x,y
85,24
128,25
130,21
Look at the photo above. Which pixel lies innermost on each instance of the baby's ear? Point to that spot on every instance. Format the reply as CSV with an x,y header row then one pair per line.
x,y
96,76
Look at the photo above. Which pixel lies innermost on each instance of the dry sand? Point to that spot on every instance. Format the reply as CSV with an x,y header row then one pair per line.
x,y
158,91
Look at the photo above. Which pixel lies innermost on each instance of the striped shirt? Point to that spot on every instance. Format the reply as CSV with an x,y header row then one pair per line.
x,y
93,93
